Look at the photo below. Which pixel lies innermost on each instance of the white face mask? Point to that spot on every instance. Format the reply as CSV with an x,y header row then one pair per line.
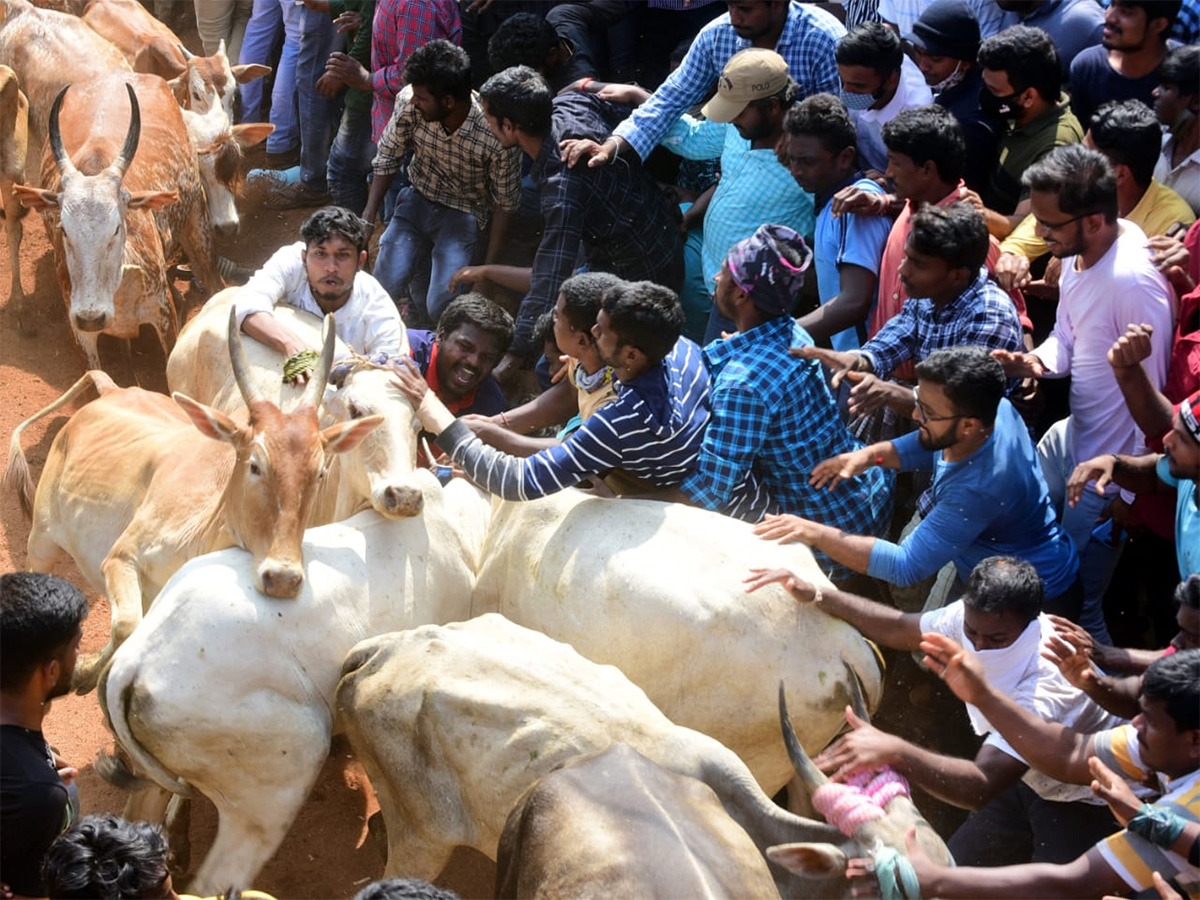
x,y
950,80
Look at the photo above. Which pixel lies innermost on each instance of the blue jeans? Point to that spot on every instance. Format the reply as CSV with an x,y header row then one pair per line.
x,y
421,228
283,97
262,34
350,160
318,114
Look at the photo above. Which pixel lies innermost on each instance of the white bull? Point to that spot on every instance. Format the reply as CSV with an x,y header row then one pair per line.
x,y
653,588
377,474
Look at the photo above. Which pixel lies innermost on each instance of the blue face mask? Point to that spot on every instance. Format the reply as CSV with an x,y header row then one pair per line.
x,y
858,101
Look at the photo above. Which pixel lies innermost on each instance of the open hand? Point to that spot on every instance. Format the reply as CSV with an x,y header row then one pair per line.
x,y
1098,469
1020,365
795,585
1113,790
959,669
786,529
831,472
574,150
864,747
409,380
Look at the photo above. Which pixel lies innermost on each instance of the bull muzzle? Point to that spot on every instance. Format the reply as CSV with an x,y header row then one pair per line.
x,y
226,229
280,580
397,502
90,320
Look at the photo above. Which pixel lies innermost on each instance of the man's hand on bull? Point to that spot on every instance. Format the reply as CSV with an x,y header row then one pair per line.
x,y
831,472
349,71
409,380
787,529
863,748
793,583
951,662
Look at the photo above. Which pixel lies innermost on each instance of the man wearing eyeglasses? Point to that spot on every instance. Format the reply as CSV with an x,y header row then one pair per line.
x,y
1108,282
988,495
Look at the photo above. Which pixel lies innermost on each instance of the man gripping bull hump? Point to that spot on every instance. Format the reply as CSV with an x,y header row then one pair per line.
x,y
653,431
323,273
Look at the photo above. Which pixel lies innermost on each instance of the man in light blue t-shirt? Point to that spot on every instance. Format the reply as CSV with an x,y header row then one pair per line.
x,y
822,153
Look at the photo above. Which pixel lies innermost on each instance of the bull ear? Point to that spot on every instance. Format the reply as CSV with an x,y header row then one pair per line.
x,y
35,198
815,860
348,435
249,72
154,200
209,422
251,134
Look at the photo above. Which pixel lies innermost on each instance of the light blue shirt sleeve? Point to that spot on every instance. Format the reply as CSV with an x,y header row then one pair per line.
x,y
694,138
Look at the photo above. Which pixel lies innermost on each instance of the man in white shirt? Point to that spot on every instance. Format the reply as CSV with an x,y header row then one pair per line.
x,y
878,82
1108,282
322,274
1177,103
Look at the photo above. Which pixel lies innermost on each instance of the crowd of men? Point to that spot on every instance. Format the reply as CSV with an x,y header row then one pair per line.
x,y
825,277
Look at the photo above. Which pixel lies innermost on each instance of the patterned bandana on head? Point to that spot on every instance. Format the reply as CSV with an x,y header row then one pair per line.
x,y
1189,415
769,266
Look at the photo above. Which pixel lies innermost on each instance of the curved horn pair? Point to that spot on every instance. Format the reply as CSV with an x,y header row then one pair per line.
x,y
124,158
313,392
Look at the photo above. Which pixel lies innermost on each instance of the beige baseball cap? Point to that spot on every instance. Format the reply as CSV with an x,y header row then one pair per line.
x,y
751,74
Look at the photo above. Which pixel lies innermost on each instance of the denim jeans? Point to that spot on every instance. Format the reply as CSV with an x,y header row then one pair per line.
x,y
1096,559
318,114
263,33
283,97
350,160
422,228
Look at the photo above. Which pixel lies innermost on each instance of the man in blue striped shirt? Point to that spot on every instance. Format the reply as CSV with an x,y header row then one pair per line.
x,y
773,418
652,431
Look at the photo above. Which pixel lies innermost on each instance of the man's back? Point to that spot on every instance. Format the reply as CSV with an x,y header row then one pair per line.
x,y
33,808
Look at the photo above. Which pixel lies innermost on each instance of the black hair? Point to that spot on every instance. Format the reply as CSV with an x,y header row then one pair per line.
x,y
1175,680
581,298
1156,9
1187,592
873,45
1128,133
476,309
441,67
39,616
1028,58
955,233
927,133
404,889
543,329
331,220
644,315
974,381
521,96
524,39
1083,180
103,857
1001,584
1181,67
824,117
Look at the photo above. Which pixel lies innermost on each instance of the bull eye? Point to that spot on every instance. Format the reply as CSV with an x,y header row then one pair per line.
x,y
255,468
355,412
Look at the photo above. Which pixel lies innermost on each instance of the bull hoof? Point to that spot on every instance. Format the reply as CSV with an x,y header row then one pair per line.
x,y
87,674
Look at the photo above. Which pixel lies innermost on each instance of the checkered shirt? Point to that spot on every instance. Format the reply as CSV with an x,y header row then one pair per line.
x,y
399,28
982,314
467,170
808,41
773,419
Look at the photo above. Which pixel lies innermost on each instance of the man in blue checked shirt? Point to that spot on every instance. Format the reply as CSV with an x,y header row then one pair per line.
x,y
773,418
801,33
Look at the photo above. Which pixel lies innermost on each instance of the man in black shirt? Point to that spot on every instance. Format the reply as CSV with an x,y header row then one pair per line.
x,y
40,630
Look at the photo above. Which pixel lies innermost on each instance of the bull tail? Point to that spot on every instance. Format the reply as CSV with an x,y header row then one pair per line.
x,y
118,720
16,473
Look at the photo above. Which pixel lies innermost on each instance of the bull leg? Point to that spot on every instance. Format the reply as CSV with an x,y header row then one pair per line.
x,y
196,240
123,587
258,799
15,231
147,804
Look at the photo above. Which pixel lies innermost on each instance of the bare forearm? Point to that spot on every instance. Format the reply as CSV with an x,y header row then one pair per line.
x,y
882,624
266,329
1150,409
849,308
552,407
1086,877
1137,473
851,550
959,782
514,278
1052,749
1119,695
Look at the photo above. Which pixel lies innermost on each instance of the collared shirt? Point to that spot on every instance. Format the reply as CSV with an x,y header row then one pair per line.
x,y
1130,855
754,188
399,28
911,91
369,323
1022,146
466,169
773,420
616,213
807,44
653,431
1184,178
485,400
982,314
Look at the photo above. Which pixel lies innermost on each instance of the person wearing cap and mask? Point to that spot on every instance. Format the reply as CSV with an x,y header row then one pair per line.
x,y
772,414
743,123
878,81
945,43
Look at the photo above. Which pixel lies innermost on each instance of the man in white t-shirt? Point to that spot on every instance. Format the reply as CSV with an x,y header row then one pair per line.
x,y
1018,815
1108,283
322,274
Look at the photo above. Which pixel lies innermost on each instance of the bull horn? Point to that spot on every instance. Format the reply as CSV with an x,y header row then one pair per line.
x,y
125,157
237,358
314,392
187,54
65,166
858,700
812,777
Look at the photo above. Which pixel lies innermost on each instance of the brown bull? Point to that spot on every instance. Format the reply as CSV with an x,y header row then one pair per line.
x,y
131,493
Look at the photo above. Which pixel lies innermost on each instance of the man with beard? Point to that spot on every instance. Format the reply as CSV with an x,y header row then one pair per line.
x,y
460,178
1108,282
988,495
322,274
40,630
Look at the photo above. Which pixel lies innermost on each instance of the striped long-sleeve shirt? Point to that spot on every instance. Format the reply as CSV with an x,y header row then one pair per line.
x,y
653,430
